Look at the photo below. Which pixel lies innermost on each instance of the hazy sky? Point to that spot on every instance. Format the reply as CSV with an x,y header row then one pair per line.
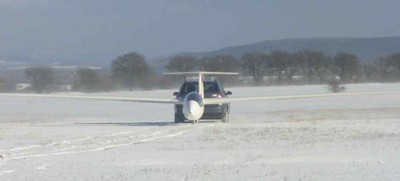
x,y
160,27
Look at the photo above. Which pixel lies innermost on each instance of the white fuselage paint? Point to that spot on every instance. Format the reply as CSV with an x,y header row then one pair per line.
x,y
192,109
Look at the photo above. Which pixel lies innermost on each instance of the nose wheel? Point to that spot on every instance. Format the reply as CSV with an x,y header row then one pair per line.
x,y
195,121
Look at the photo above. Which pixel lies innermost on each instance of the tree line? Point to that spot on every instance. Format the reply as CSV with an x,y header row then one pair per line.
x,y
309,67
132,71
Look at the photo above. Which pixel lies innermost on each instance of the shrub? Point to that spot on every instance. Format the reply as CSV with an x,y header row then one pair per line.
x,y
334,86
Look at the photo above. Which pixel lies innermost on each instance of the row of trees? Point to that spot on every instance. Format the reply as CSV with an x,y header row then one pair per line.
x,y
282,67
132,71
312,65
383,69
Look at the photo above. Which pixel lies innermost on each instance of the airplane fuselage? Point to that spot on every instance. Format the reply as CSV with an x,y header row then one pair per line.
x,y
193,106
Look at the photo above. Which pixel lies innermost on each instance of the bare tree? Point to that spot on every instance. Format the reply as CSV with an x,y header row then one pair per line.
x,y
383,68
323,67
41,78
223,63
280,60
256,64
292,66
310,62
7,86
86,79
129,68
369,70
388,67
346,66
183,63
394,61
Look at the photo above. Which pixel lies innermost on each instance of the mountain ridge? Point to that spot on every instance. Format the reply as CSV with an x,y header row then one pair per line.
x,y
366,49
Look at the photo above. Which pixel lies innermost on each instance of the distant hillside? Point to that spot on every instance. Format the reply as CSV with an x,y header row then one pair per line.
x,y
365,48
22,61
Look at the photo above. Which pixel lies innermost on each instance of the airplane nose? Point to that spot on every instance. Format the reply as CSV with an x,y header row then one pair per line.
x,y
192,110
193,106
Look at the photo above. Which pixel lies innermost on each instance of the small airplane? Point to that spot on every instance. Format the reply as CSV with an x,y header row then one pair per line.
x,y
194,102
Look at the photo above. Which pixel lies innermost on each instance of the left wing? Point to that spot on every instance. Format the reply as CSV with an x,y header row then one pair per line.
x,y
128,99
208,101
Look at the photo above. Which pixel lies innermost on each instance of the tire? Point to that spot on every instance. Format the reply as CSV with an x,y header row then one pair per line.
x,y
179,119
225,119
227,111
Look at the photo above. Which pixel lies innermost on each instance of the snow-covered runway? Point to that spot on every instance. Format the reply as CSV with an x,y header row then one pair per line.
x,y
340,138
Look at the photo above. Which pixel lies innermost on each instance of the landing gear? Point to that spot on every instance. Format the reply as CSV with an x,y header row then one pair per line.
x,y
179,119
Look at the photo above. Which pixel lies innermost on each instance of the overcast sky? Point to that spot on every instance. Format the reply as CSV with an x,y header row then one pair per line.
x,y
162,27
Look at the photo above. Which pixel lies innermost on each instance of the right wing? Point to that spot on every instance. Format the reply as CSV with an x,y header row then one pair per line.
x,y
128,99
230,100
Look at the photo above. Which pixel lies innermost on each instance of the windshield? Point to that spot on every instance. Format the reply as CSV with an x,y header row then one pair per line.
x,y
209,88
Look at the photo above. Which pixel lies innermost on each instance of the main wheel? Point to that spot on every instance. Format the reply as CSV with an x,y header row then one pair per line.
x,y
179,119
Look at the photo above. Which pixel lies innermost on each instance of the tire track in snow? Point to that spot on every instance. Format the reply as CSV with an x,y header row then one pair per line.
x,y
6,172
66,145
71,141
94,144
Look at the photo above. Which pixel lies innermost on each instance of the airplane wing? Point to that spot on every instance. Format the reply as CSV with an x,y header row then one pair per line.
x,y
208,101
127,99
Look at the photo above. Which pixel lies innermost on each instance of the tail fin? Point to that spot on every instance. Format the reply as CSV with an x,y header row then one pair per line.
x,y
201,85
201,77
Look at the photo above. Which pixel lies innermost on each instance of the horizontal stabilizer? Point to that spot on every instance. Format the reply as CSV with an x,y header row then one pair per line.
x,y
202,73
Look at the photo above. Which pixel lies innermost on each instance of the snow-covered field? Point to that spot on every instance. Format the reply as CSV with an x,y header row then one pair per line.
x,y
330,138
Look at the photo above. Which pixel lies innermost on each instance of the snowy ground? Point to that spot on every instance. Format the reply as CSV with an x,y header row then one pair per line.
x,y
340,138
